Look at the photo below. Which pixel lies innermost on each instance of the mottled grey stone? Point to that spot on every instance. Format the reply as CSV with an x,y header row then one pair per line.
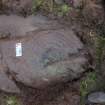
x,y
96,97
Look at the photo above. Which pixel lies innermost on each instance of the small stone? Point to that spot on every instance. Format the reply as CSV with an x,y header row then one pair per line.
x,y
96,97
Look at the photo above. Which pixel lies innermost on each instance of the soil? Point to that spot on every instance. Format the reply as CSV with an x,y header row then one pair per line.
x,y
65,94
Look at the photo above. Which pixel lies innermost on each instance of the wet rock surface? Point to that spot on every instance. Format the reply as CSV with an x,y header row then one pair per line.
x,y
49,55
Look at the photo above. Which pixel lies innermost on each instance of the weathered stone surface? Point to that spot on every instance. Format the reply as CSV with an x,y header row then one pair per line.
x,y
97,97
50,54
12,26
7,85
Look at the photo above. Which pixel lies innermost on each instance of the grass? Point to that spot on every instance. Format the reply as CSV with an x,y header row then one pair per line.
x,y
64,9
37,4
51,7
100,46
92,81
12,100
87,85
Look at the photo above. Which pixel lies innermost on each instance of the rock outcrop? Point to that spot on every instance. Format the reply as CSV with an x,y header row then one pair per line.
x,y
50,53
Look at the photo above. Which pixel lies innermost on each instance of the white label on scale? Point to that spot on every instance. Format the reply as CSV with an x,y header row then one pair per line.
x,y
18,49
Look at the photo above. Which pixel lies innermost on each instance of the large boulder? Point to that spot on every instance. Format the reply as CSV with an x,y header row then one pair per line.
x,y
43,56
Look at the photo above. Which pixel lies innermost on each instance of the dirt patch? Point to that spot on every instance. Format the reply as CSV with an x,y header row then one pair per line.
x,y
23,7
58,95
62,94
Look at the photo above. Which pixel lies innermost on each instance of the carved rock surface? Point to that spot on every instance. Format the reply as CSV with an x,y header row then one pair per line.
x,y
50,54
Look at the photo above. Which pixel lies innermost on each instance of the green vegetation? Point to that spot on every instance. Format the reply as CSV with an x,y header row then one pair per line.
x,y
12,100
46,5
87,85
64,9
100,46
92,81
37,4
50,6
